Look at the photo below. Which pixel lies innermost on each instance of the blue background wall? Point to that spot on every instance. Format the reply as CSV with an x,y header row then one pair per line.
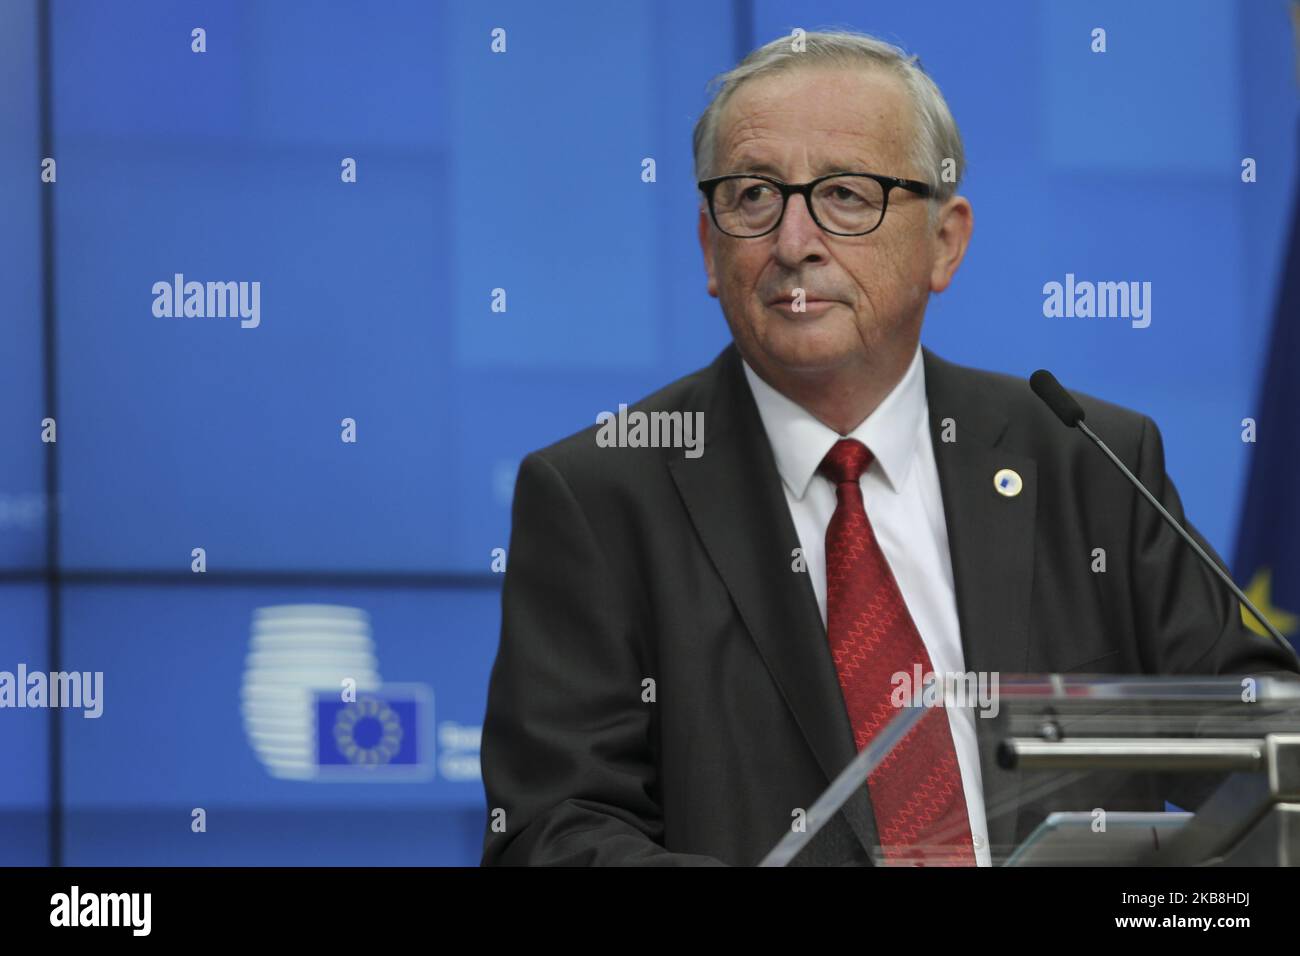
x,y
478,171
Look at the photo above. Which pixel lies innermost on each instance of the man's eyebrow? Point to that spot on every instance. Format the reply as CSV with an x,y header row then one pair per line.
x,y
747,165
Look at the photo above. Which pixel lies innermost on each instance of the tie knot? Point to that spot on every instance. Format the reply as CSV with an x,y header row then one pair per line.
x,y
846,461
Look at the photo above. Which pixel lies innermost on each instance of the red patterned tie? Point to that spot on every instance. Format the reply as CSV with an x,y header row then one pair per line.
x,y
916,791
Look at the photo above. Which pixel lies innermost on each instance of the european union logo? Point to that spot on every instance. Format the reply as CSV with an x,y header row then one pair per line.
x,y
382,734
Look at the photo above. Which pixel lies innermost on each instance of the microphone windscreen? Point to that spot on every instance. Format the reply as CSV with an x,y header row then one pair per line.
x,y
1055,396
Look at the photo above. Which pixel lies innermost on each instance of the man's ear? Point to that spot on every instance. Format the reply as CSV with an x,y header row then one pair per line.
x,y
952,234
706,246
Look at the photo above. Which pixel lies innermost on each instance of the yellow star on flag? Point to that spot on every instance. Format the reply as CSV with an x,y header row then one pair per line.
x,y
1260,593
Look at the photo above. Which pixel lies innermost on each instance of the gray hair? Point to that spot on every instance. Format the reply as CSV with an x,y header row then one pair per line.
x,y
936,137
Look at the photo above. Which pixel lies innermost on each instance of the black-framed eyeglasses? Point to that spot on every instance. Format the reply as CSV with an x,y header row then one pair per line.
x,y
747,206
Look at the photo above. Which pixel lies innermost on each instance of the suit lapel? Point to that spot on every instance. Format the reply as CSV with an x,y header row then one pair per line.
x,y
734,498
991,542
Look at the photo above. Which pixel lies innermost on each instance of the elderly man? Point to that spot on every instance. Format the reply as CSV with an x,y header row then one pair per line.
x,y
693,647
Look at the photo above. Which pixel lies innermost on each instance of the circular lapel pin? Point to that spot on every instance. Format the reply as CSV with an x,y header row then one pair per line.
x,y
1008,483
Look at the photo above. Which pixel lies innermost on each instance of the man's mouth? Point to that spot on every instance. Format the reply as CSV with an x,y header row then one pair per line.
x,y
789,302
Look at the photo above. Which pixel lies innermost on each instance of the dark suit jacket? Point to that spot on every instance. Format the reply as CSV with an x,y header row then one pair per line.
x,y
627,565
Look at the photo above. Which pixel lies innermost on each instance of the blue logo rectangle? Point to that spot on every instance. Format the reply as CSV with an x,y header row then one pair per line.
x,y
380,728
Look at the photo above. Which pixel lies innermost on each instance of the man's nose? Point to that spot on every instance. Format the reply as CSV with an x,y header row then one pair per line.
x,y
798,238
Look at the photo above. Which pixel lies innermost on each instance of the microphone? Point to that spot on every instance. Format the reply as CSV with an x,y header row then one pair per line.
x,y
1070,412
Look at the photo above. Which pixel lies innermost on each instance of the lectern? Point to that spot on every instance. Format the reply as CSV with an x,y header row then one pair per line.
x,y
1118,771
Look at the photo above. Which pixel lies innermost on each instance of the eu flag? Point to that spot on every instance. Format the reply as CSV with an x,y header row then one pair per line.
x,y
379,729
1268,544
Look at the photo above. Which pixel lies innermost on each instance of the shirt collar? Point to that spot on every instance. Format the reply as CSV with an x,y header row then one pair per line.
x,y
800,442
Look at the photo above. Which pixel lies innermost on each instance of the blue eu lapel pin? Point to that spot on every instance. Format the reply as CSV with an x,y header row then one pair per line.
x,y
1008,483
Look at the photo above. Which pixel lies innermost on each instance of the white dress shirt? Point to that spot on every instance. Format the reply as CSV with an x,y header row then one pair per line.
x,y
901,493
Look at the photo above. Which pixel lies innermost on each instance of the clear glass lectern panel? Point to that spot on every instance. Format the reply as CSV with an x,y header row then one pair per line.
x,y
1137,770
1112,770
